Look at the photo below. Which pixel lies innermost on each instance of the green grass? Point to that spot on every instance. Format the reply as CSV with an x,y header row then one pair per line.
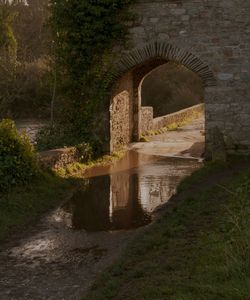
x,y
76,169
199,249
144,139
173,127
24,205
209,168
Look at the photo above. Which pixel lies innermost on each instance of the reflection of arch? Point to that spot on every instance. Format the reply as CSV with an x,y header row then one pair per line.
x,y
125,108
167,52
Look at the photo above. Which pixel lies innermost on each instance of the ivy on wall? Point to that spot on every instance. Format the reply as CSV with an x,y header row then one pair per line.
x,y
84,34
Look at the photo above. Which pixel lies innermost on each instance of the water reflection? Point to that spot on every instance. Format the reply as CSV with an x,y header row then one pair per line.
x,y
108,203
126,199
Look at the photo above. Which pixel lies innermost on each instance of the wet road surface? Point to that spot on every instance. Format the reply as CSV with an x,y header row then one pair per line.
x,y
60,256
187,141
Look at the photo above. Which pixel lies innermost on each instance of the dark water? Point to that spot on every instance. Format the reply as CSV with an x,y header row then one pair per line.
x,y
126,199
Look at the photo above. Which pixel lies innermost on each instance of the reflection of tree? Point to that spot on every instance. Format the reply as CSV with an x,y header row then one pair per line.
x,y
125,200
108,203
90,207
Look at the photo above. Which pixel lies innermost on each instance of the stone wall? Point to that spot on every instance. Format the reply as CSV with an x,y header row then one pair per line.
x,y
121,122
57,158
178,117
217,32
147,114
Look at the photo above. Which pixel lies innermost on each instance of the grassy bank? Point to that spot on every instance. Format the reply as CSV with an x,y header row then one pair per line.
x,y
199,249
24,205
77,169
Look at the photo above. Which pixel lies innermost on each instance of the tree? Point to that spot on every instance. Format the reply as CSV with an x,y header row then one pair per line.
x,y
25,79
8,43
84,33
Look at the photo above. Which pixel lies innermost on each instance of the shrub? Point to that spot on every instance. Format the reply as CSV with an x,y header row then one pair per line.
x,y
51,136
84,152
28,93
54,136
17,157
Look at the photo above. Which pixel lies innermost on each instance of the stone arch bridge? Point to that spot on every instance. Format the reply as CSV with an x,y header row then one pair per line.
x,y
209,37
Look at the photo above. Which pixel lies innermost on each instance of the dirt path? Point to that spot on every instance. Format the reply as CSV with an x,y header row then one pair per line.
x,y
54,261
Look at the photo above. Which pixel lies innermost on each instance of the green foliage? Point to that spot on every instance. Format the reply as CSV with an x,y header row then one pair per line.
x,y
25,67
53,136
84,152
8,44
17,157
31,30
171,87
28,93
172,127
84,33
144,139
84,30
24,205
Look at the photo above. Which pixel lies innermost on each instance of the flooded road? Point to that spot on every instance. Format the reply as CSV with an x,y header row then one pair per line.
x,y
61,255
125,199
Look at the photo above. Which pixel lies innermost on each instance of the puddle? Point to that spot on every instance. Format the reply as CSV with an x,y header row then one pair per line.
x,y
69,246
125,199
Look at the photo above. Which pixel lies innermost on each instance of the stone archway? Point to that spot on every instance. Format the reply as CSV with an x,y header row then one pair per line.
x,y
125,106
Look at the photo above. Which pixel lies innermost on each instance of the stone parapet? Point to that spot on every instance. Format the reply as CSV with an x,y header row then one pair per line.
x,y
177,117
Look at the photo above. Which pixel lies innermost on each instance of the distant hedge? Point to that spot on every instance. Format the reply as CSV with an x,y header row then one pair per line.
x,y
17,157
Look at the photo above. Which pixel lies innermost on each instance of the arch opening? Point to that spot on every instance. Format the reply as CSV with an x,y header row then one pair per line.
x,y
172,112
127,121
171,88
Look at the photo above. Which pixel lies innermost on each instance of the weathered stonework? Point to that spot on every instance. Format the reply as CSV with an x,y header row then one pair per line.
x,y
178,117
57,158
147,115
210,37
121,113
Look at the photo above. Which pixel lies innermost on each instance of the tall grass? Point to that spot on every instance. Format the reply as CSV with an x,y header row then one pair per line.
x,y
237,248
